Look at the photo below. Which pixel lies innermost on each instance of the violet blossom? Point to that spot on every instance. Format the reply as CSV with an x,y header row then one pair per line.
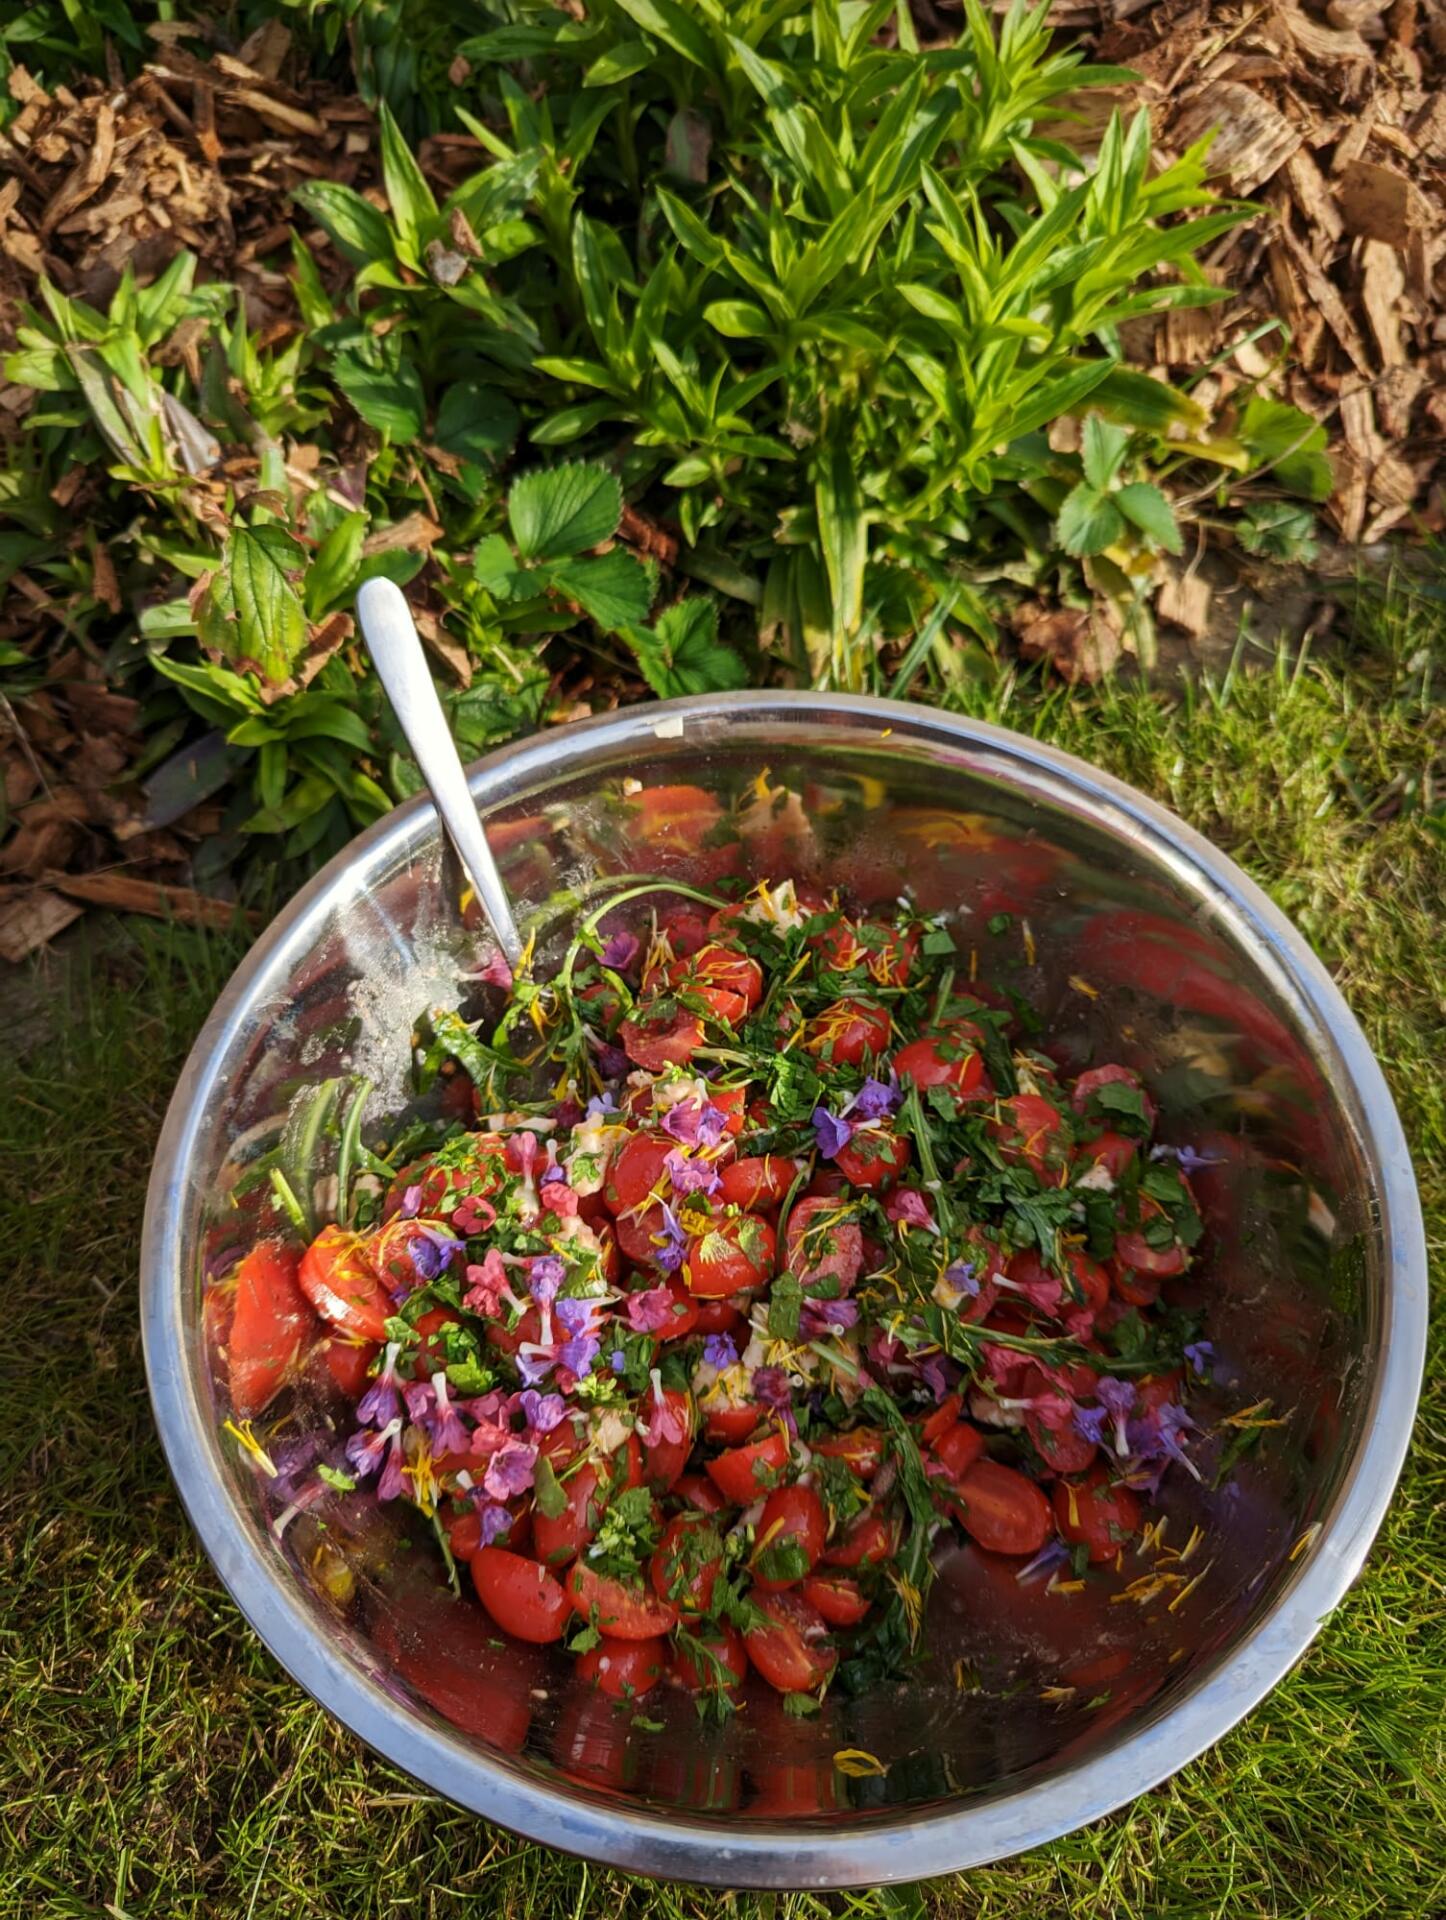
x,y
367,1451
771,1386
1188,1159
962,1276
411,1203
601,1106
495,1521
579,1320
535,1362
1156,1438
671,1244
612,1062
618,1360
620,951
1117,1397
1054,1553
541,1411
696,1123
832,1133
720,1351
432,1249
691,1176
931,1372
544,1277
382,1401
510,1470
875,1100
909,1208
827,1316
1089,1423
448,1435
1200,1353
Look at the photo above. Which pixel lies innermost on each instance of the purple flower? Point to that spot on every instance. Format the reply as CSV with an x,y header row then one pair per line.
x,y
365,1451
696,1123
544,1277
448,1435
651,1311
671,1243
826,1316
617,1360
509,1472
1089,1424
542,1411
931,1372
495,1521
719,1351
832,1133
875,1100
1187,1158
691,1176
1200,1353
382,1401
771,1387
411,1203
620,951
962,1277
1157,1437
432,1249
1117,1397
420,1400
553,1176
1053,1554
600,1106
578,1354
392,1482
535,1362
577,1316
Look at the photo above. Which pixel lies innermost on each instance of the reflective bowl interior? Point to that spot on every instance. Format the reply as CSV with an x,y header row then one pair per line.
x,y
1117,946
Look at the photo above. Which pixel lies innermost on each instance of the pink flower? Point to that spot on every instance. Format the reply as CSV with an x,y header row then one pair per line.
x,y
665,1420
486,1285
559,1199
473,1215
909,1208
651,1311
510,1470
495,971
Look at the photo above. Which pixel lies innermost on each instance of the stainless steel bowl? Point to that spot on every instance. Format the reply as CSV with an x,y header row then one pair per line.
x,y
1034,1713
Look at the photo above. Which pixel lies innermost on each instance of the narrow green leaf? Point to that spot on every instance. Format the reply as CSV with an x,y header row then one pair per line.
x,y
675,28
353,225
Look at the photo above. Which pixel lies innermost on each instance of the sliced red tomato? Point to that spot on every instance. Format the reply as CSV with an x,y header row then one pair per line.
x,y
726,980
1093,1513
447,1651
1111,1151
672,820
841,1601
719,1316
558,1540
743,1473
883,952
1089,1083
345,1362
728,1426
721,1661
823,1241
700,1493
623,1669
941,1419
664,1460
958,1448
272,1318
759,1182
340,1282
861,1449
737,1251
663,1036
1133,1249
793,1652
869,1540
789,1538
848,1031
950,1059
637,1174
685,1564
1030,1131
873,1160
521,1596
1002,1510
626,1612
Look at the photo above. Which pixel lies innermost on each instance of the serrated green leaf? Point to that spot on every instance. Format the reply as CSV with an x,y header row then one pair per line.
x,y
682,653
560,511
614,589
1088,521
262,567
1145,507
1102,448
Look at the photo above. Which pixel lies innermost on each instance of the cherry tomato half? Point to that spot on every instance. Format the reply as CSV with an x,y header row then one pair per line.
x,y
623,1669
736,1251
841,1601
272,1317
822,1241
1092,1513
759,1182
613,1606
339,1281
793,1652
848,1030
1002,1510
521,1596
789,1539
685,1563
949,1059
873,1160
743,1473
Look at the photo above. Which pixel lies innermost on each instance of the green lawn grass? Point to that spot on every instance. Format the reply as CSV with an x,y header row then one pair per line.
x,y
156,1762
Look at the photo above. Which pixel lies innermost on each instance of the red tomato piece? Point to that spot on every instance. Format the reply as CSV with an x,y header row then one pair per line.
x,y
557,1540
822,1241
684,1567
940,1420
672,820
272,1317
737,1251
1088,1085
718,1316
664,1460
623,1669
636,1176
626,1612
861,1449
873,1160
686,925
660,1038
339,1281
742,1473
759,1182
789,1539
847,1031
720,1662
959,1448
464,1532
1002,1510
1133,1249
1135,1289
883,952
1059,1446
1092,1513
841,1601
1112,1151
1031,1131
730,1425
521,1596
867,1541
726,980
700,1493
347,1363
950,1058
793,1652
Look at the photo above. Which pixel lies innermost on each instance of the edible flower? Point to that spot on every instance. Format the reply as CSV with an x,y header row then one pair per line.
x,y
691,1176
382,1401
650,1311
510,1470
832,1132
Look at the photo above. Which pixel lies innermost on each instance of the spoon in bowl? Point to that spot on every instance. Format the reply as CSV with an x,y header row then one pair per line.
x,y
396,647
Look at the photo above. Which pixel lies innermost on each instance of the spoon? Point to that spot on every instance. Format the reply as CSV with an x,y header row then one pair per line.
x,y
396,647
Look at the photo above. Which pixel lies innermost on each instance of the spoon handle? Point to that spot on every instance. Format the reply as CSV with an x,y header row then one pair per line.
x,y
396,647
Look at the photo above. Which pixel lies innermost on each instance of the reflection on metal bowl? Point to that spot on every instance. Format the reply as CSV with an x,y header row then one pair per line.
x,y
1031,1712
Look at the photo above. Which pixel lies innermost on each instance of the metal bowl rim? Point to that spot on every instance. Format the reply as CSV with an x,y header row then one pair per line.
x,y
869,1851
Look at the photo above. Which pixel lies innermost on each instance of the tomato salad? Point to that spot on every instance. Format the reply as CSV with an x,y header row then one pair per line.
x,y
807,1259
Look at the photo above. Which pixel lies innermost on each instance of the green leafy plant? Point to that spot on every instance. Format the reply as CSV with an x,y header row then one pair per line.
x,y
1103,509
